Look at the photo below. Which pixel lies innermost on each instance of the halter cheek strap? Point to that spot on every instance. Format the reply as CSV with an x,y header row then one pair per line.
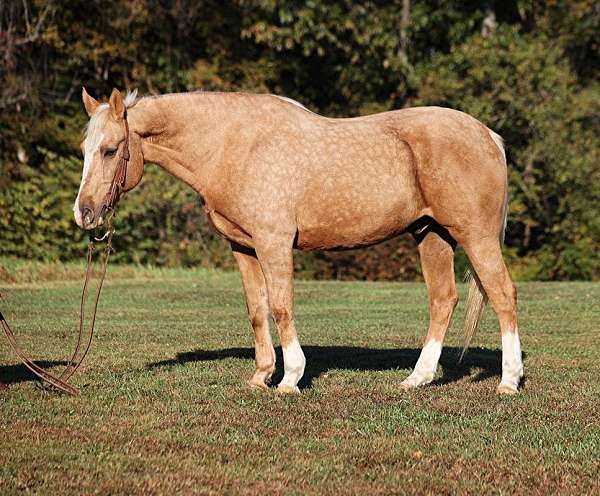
x,y
118,183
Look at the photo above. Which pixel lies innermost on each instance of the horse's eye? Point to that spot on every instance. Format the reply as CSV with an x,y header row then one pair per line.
x,y
110,152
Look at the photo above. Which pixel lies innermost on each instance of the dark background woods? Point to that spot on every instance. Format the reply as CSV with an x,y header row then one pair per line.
x,y
527,69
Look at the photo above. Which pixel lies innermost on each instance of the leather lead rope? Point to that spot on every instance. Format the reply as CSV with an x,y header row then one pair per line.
x,y
108,208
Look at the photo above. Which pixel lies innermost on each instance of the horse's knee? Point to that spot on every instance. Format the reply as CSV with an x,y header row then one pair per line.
x,y
451,300
444,305
454,300
282,316
258,319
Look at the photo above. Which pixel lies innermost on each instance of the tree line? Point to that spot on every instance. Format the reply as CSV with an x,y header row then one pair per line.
x,y
527,69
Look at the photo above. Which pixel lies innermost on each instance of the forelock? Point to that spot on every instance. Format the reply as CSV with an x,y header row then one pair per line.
x,y
93,130
96,124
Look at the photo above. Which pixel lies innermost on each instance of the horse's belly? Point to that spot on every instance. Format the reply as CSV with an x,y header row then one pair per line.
x,y
339,222
326,238
364,190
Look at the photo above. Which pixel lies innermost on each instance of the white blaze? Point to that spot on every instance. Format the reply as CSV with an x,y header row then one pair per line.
x,y
92,144
93,141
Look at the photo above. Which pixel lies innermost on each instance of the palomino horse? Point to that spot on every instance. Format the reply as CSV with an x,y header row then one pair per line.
x,y
275,176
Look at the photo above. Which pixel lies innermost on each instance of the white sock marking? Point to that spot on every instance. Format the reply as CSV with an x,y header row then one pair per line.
x,y
293,364
426,365
512,364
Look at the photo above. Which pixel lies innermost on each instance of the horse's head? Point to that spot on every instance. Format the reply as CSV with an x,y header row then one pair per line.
x,y
103,148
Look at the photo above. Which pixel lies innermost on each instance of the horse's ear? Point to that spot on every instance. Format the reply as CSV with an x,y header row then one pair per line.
x,y
117,105
90,103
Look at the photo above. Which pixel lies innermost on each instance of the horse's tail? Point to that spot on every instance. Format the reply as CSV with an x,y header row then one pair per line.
x,y
476,298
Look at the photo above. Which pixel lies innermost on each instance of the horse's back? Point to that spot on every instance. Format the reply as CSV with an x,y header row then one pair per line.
x,y
356,181
375,175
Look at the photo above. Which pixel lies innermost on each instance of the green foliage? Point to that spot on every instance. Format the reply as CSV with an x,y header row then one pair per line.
x,y
161,222
36,212
524,88
531,76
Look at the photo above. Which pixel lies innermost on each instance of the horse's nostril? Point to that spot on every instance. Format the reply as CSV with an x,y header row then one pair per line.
x,y
88,215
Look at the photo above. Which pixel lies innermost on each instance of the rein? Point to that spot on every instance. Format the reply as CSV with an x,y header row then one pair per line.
x,y
111,199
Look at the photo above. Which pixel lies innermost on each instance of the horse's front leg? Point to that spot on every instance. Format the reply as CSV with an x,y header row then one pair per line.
x,y
275,257
257,303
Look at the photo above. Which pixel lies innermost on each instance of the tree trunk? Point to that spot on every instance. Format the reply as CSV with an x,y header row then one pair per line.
x,y
404,23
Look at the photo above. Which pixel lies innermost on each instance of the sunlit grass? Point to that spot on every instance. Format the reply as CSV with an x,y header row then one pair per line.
x,y
165,408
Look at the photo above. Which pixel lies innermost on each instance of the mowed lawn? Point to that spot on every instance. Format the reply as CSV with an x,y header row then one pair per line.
x,y
165,408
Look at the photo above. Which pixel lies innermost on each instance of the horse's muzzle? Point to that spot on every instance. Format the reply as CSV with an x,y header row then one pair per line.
x,y
91,219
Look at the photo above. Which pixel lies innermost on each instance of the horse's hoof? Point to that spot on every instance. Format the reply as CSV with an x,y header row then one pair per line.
x,y
286,389
257,385
414,381
504,390
407,385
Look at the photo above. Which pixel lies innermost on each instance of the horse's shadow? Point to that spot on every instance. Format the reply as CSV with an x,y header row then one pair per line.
x,y
321,359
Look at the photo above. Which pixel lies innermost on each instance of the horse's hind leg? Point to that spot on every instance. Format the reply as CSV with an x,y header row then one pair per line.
x,y
485,255
437,262
258,312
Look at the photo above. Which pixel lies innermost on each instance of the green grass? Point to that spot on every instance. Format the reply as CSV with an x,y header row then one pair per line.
x,y
165,408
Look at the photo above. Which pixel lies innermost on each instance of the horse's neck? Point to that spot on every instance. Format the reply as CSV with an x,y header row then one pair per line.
x,y
180,133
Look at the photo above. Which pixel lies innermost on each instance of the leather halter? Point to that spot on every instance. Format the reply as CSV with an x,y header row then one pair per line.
x,y
117,186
